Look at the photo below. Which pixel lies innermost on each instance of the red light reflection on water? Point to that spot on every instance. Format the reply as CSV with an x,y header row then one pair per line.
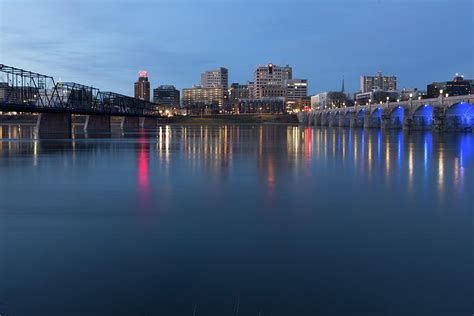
x,y
308,144
144,188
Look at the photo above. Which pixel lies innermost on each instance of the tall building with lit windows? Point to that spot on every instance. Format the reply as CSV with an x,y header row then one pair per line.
x,y
142,86
198,98
269,80
378,82
217,78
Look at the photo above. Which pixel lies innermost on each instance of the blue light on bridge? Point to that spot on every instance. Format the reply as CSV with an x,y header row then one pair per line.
x,y
424,115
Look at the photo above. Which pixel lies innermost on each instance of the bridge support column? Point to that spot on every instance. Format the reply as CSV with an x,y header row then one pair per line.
x,y
342,116
148,122
54,124
439,119
130,123
317,119
385,121
97,123
311,118
324,119
331,119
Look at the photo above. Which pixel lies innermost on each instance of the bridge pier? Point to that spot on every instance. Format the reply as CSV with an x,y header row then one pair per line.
x,y
439,119
97,123
130,123
302,118
371,120
54,124
331,120
385,121
148,122
317,119
324,119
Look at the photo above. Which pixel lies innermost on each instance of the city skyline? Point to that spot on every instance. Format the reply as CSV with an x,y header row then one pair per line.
x,y
109,54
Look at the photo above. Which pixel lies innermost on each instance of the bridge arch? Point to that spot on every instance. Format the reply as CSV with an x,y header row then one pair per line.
x,y
346,120
359,118
396,117
460,117
374,119
317,119
423,117
325,117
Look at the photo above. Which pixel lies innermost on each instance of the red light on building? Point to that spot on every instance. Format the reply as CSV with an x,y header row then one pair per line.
x,y
143,74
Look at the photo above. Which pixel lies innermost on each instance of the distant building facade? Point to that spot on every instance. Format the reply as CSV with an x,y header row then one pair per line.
x,y
330,99
377,82
458,86
167,96
142,86
296,89
269,80
377,96
217,78
198,99
239,91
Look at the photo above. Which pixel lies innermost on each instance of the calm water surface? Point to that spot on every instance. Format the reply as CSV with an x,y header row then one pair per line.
x,y
285,220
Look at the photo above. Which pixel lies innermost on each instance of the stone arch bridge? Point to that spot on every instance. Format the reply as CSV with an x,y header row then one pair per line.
x,y
440,114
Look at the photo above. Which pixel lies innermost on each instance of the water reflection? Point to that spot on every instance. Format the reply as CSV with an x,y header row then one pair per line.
x,y
255,210
213,148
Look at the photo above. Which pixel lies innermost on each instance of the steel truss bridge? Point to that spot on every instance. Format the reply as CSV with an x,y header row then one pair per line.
x,y
26,91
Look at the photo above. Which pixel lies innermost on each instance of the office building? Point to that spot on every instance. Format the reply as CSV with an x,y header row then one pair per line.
x,y
239,91
199,98
142,86
295,89
378,82
458,86
166,96
217,78
270,79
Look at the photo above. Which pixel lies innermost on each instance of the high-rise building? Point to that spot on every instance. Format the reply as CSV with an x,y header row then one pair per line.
x,y
167,96
458,86
378,82
270,79
197,98
217,78
142,86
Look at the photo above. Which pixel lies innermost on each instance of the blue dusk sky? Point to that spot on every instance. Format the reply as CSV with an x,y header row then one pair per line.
x,y
105,43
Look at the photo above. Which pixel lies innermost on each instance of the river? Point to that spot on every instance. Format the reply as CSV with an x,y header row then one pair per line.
x,y
270,219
